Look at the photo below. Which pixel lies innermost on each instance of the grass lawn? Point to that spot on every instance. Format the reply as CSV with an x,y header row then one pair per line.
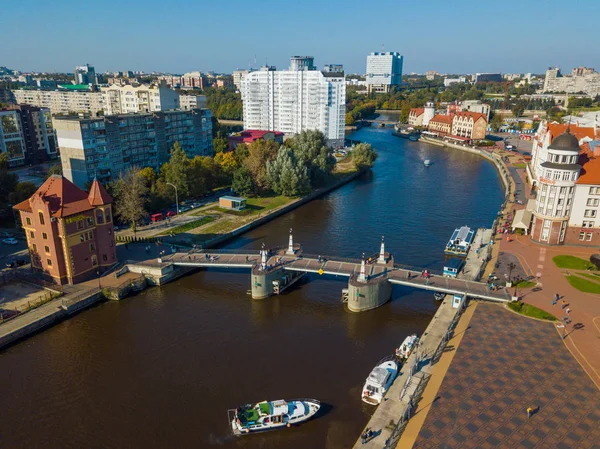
x,y
529,310
519,165
526,284
575,263
583,285
188,226
592,276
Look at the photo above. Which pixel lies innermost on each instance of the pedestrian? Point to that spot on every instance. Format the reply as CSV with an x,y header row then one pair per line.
x,y
408,275
564,304
529,412
556,297
246,259
190,258
568,311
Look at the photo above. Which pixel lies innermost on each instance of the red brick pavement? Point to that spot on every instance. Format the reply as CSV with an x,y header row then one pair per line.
x,y
506,363
584,343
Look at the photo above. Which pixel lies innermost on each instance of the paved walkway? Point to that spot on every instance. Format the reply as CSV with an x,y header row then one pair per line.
x,y
506,363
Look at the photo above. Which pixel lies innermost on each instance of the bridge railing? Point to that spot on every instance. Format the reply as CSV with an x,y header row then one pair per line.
x,y
326,258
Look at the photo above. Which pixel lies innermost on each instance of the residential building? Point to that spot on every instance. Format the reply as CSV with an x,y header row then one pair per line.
x,y
105,147
469,125
291,101
27,135
192,101
333,68
581,79
476,106
384,70
450,81
415,116
6,96
85,74
488,78
441,124
238,77
431,74
250,135
62,102
69,232
302,63
133,99
193,80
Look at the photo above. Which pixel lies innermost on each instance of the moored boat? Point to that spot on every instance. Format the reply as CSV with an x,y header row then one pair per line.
x,y
461,241
380,380
407,346
271,415
427,162
439,296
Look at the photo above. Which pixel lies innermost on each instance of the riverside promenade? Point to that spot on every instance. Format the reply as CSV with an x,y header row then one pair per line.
x,y
387,421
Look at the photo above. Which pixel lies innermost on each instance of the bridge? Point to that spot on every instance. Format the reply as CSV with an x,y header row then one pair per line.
x,y
370,278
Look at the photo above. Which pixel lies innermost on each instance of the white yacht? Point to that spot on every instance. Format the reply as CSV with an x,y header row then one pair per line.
x,y
427,162
380,380
407,346
271,415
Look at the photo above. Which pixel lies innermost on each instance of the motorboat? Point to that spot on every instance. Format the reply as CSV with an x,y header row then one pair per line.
x,y
380,380
427,162
461,241
271,415
407,346
439,296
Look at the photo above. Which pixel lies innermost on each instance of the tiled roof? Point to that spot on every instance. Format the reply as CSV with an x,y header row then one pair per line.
x,y
62,196
556,129
590,166
258,134
475,115
439,118
417,111
98,195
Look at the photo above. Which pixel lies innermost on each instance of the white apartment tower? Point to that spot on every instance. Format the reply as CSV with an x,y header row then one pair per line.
x,y
291,101
384,69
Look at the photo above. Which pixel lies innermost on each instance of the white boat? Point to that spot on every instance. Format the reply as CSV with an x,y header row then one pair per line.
x,y
461,241
271,415
407,346
439,296
427,162
379,381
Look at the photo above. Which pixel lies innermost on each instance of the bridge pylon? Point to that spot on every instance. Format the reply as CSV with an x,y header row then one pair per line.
x,y
290,251
382,252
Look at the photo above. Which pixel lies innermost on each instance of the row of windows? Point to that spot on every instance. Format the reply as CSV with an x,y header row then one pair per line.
x,y
587,224
46,249
562,159
590,213
557,175
593,202
587,236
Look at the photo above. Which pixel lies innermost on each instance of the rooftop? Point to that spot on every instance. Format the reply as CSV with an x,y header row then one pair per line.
x,y
439,118
590,170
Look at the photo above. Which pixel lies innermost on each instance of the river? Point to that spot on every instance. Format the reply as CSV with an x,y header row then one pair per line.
x,y
161,369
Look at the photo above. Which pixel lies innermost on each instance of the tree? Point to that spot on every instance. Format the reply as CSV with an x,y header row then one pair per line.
x,y
23,190
54,169
259,153
176,171
241,152
228,162
130,192
496,122
517,109
242,182
287,176
363,156
204,174
8,184
149,176
311,150
220,144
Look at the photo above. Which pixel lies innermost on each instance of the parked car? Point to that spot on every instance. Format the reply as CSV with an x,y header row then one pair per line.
x,y
10,241
15,263
184,208
156,217
171,213
195,205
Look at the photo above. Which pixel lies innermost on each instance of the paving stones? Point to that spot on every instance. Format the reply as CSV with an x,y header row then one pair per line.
x,y
506,363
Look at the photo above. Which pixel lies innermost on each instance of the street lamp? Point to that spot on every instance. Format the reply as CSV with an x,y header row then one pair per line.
x,y
511,266
176,197
98,274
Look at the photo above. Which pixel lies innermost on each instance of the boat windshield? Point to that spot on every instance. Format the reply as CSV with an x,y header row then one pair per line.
x,y
372,389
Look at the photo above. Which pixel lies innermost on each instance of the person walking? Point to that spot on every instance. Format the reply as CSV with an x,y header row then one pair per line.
x,y
564,304
568,311
529,412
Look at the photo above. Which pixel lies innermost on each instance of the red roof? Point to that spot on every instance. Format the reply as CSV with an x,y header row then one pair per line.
x,y
556,129
98,195
258,134
62,196
590,166
475,115
417,111
439,118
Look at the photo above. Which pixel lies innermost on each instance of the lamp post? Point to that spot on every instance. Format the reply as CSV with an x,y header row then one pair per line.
x,y
98,274
176,197
511,267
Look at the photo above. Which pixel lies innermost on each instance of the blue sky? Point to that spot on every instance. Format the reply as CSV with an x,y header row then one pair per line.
x,y
450,36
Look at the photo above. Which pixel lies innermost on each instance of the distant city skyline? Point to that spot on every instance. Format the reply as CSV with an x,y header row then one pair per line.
x,y
465,36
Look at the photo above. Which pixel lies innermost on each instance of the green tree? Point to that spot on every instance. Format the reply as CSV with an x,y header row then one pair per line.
x,y
517,109
311,150
23,190
363,156
54,169
242,182
496,122
149,176
287,175
8,184
130,197
241,152
176,171
259,153
220,144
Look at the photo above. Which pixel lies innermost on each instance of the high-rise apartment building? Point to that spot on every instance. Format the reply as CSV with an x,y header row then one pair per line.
x,y
291,101
238,77
384,70
27,135
85,74
192,101
581,79
129,99
105,147
62,102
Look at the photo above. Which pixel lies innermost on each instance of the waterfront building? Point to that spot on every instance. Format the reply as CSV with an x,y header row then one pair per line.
x,y
85,74
105,147
384,70
192,101
415,116
133,99
581,79
62,101
69,232
27,135
441,124
469,125
250,135
291,101
428,112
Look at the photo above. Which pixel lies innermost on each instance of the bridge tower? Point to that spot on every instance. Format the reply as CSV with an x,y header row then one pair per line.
x,y
362,277
366,292
382,252
290,250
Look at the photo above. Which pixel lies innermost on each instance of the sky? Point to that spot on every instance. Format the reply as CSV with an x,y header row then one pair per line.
x,y
177,36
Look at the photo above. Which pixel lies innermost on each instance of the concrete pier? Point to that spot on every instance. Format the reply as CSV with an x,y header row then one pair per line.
x,y
480,252
368,295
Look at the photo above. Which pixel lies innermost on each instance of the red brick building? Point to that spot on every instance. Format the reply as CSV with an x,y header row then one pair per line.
x,y
70,232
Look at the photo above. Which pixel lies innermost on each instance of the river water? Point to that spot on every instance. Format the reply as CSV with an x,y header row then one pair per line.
x,y
160,370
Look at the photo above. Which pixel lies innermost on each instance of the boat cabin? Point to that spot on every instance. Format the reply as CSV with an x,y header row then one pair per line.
x,y
378,378
452,267
461,241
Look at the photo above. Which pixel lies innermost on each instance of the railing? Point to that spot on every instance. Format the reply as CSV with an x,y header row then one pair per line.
x,y
74,299
9,314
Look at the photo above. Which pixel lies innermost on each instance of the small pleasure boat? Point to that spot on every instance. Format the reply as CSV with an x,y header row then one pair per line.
x,y
271,415
407,346
427,162
439,296
380,380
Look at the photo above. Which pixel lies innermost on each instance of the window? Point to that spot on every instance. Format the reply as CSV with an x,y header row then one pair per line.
x,y
49,262
99,216
94,260
582,235
90,221
34,248
594,190
107,214
574,177
80,224
28,221
588,237
92,247
593,202
41,215
590,213
565,176
81,237
47,249
44,236
587,224
104,258
557,175
32,234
